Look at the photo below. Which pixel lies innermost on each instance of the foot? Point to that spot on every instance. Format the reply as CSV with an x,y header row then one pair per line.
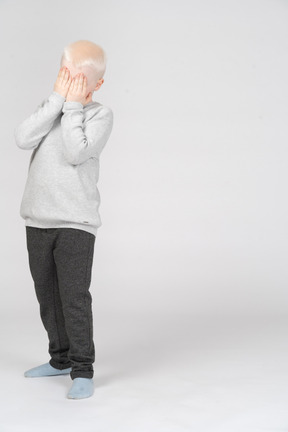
x,y
81,388
45,370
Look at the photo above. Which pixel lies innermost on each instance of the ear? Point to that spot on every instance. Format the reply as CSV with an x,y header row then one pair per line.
x,y
99,84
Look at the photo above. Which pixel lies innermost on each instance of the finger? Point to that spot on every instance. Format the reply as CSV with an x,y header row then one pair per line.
x,y
68,82
79,81
83,81
65,75
75,80
61,71
71,85
60,75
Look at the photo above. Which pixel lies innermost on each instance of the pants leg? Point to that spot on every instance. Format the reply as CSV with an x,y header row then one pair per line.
x,y
43,270
73,255
61,261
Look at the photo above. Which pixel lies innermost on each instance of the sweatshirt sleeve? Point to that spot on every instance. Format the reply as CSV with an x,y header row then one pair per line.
x,y
32,130
83,140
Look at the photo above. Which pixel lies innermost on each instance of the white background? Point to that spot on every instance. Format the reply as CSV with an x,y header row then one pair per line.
x,y
193,185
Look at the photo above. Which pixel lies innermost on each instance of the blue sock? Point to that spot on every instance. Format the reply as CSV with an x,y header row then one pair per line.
x,y
45,370
81,388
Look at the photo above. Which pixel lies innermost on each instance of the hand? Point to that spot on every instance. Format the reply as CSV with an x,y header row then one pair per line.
x,y
78,90
63,81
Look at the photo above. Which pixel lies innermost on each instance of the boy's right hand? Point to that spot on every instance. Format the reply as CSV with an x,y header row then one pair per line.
x,y
63,81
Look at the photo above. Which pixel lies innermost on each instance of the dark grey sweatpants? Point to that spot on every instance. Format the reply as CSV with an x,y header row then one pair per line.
x,y
60,261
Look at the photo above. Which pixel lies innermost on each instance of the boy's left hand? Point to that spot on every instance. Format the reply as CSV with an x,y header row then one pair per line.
x,y
78,90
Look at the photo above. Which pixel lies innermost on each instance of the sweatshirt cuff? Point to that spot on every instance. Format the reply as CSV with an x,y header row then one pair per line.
x,y
71,105
56,97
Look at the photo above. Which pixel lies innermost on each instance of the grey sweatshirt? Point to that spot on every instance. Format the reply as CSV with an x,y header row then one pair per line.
x,y
67,139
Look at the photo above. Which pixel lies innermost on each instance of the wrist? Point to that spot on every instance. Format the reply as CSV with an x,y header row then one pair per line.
x,y
72,105
57,96
58,93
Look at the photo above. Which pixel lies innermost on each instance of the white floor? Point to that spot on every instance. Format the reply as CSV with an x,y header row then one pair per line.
x,y
151,374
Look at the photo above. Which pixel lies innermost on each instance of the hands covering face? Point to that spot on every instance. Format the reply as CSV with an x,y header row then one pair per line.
x,y
73,89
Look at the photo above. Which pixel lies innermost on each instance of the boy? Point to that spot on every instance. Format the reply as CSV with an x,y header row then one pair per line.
x,y
67,133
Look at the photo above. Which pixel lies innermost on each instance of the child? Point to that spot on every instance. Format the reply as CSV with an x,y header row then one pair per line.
x,y
67,133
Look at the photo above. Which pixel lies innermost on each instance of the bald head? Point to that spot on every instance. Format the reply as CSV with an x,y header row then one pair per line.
x,y
84,50
87,57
